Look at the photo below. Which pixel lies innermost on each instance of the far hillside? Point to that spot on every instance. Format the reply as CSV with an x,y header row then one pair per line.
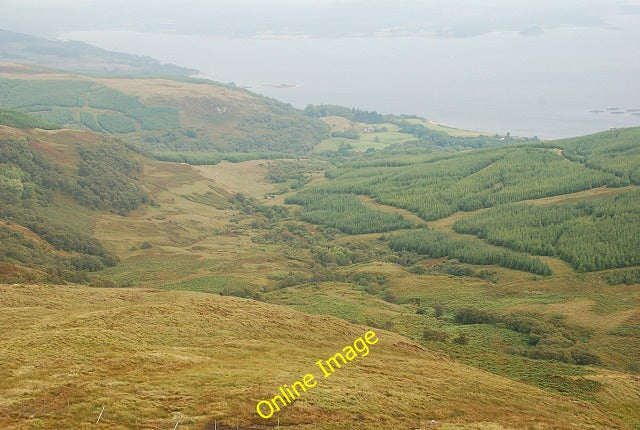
x,y
355,131
80,57
176,119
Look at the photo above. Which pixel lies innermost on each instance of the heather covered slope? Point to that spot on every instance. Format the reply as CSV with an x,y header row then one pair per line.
x,y
51,185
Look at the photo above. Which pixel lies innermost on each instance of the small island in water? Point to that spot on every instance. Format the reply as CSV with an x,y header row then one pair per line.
x,y
282,85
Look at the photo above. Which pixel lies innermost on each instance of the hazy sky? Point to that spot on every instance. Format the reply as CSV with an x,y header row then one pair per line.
x,y
321,18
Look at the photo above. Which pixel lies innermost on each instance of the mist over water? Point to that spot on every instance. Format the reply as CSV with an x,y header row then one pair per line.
x,y
544,85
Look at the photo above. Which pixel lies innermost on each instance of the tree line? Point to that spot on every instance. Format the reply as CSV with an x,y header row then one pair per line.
x,y
347,213
355,115
436,244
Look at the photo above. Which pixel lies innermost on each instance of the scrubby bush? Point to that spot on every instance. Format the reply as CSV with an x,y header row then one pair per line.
x,y
461,339
474,316
434,335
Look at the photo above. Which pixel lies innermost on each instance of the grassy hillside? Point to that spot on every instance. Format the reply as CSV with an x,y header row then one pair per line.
x,y
153,359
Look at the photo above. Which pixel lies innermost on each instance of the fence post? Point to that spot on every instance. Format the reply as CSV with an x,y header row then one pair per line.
x,y
100,416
